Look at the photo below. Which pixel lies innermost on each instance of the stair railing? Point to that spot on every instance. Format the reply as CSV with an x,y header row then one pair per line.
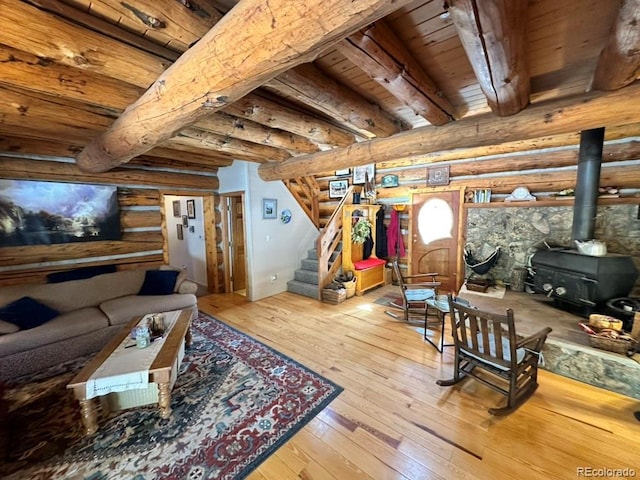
x,y
306,192
327,245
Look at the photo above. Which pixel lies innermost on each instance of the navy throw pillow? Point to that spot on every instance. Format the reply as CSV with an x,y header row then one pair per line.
x,y
159,282
27,313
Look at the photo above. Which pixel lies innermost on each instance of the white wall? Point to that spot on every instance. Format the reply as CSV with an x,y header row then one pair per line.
x,y
190,253
273,248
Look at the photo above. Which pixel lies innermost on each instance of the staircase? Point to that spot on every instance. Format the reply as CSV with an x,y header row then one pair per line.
x,y
305,280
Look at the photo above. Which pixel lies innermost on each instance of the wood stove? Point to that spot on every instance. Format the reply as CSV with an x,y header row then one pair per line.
x,y
572,278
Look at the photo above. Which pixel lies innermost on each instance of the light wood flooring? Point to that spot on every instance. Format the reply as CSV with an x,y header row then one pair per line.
x,y
393,422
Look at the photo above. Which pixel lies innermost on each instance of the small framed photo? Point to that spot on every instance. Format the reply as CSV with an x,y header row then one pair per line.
x,y
438,176
185,221
179,231
191,208
343,172
176,208
269,208
338,188
359,173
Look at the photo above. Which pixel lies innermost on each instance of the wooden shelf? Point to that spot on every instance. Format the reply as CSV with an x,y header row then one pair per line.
x,y
553,202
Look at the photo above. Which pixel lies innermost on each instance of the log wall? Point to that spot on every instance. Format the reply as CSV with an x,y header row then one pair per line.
x,y
139,195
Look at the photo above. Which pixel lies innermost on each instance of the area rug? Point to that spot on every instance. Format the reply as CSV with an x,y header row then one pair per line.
x,y
234,403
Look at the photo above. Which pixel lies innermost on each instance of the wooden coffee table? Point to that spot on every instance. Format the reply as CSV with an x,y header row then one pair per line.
x,y
160,372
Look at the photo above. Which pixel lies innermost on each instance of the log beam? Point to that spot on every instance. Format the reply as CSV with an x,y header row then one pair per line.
x,y
272,114
619,62
225,124
312,87
248,47
547,118
493,36
383,57
232,146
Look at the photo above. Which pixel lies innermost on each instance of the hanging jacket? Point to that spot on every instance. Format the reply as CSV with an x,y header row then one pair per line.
x,y
381,234
395,246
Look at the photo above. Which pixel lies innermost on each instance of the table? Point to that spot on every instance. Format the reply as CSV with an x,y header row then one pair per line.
x,y
163,367
442,309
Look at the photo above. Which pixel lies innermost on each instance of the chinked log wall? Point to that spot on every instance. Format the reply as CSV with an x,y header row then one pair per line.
x,y
139,195
545,172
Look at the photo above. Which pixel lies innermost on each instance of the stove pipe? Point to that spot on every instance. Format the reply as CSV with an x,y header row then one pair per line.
x,y
587,184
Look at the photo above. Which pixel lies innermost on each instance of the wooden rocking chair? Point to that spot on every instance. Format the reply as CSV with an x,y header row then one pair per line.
x,y
415,295
488,341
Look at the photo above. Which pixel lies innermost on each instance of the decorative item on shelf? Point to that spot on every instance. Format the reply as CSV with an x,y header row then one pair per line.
x,y
608,192
468,196
482,196
520,194
438,175
566,193
357,195
389,181
285,216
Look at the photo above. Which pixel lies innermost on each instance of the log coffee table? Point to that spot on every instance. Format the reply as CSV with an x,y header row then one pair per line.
x,y
165,364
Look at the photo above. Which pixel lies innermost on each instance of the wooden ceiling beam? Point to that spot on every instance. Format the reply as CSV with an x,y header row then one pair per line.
x,y
24,70
313,88
198,156
243,129
492,33
275,115
34,62
573,114
239,149
76,46
247,48
539,143
619,62
382,56
176,23
97,24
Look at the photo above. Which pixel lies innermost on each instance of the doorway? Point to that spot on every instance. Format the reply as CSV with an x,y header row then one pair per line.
x,y
435,234
235,258
189,234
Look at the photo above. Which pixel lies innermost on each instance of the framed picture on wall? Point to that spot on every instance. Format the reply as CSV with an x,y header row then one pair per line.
x,y
338,188
176,208
179,231
191,208
269,208
185,221
359,173
343,172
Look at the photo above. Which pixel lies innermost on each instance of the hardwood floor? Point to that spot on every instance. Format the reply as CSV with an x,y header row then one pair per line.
x,y
393,422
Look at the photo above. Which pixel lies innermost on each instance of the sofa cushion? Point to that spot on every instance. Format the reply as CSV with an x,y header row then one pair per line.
x,y
159,282
122,310
182,276
27,313
8,327
67,325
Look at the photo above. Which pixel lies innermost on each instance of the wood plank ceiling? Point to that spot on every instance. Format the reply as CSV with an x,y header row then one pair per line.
x,y
68,70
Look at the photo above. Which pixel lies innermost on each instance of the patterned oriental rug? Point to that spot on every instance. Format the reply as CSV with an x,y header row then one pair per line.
x,y
234,403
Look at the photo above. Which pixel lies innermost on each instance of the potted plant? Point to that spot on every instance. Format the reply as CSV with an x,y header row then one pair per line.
x,y
361,231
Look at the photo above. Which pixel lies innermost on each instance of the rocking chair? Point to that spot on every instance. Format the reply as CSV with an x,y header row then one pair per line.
x,y
415,295
488,341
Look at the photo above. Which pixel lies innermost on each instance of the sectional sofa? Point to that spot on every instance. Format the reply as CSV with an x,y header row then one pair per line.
x,y
81,316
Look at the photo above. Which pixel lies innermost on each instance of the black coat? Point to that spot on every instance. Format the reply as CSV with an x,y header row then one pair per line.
x,y
381,234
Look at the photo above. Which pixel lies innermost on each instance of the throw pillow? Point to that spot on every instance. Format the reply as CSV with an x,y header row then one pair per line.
x,y
27,313
6,327
159,282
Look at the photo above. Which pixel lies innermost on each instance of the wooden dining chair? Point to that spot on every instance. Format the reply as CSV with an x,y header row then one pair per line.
x,y
488,342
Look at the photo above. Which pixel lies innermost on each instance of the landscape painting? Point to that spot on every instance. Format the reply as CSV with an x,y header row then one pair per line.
x,y
44,213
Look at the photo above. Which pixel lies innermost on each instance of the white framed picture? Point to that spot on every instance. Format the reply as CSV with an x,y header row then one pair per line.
x,y
269,208
359,173
338,188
